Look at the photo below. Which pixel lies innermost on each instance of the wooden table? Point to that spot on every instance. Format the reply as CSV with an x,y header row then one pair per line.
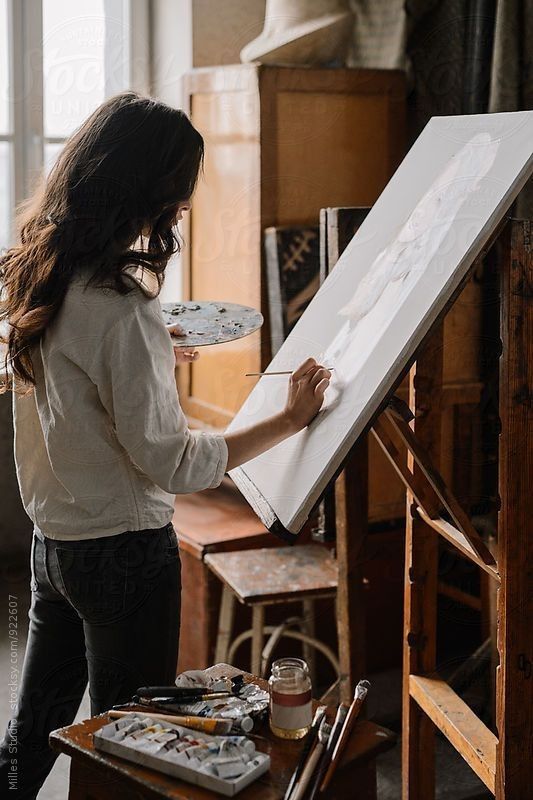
x,y
99,776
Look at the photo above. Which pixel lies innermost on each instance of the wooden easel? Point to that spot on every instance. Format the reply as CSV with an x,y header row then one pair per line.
x,y
503,763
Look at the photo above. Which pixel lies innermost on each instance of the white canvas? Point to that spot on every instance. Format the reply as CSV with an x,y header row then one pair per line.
x,y
380,300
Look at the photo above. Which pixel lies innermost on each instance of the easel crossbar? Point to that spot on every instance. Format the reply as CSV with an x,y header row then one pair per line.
x,y
469,736
458,539
391,428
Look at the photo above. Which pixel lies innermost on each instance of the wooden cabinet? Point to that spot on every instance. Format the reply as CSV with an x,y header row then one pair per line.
x,y
281,143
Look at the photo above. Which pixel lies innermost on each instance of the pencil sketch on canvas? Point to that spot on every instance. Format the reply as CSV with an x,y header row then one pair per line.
x,y
398,272
396,269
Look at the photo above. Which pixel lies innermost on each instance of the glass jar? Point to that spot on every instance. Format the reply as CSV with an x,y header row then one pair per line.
x,y
289,685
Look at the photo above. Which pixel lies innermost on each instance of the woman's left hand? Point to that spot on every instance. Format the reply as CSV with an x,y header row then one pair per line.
x,y
182,354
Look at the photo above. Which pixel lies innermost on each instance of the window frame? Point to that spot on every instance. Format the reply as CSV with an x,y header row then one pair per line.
x,y
26,96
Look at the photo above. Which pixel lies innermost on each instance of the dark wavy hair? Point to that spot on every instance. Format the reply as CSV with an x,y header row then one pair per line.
x,y
123,172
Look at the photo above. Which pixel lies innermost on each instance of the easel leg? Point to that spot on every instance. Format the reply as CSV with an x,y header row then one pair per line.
x,y
351,502
420,599
514,677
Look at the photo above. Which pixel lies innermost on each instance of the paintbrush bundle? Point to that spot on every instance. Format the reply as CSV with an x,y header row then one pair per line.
x,y
323,748
223,764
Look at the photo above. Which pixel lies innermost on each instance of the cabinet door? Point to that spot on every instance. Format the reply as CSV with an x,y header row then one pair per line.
x,y
281,143
223,261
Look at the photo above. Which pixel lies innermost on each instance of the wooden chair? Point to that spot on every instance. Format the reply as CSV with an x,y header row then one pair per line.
x,y
266,577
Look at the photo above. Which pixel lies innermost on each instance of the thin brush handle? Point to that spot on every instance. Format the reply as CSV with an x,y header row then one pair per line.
x,y
308,771
353,712
283,372
178,692
318,774
342,711
205,724
306,749
184,699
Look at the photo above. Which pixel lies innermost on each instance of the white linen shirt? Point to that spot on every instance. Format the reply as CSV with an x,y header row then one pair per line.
x,y
101,443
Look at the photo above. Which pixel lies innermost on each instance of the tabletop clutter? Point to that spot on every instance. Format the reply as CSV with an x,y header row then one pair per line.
x,y
202,729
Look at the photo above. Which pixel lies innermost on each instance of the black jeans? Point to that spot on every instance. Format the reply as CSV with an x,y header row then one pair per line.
x,y
104,610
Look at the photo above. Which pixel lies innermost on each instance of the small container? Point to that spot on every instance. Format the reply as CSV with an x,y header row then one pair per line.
x,y
291,712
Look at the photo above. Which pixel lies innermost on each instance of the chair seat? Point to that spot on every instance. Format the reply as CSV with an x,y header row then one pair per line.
x,y
275,575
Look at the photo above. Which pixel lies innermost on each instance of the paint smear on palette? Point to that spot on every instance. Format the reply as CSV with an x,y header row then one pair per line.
x,y
399,266
207,323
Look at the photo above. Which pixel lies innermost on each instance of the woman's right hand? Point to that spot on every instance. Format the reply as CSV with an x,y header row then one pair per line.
x,y
306,393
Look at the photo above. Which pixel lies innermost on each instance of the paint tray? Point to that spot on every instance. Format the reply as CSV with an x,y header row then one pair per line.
x,y
104,740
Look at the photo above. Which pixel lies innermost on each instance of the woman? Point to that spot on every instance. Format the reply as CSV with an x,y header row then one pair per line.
x,y
101,443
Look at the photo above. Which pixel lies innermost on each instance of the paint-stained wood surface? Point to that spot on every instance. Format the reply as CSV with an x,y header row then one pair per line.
x,y
99,776
274,575
514,684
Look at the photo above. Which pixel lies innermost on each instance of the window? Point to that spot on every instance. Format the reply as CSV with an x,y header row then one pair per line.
x,y
58,61
6,134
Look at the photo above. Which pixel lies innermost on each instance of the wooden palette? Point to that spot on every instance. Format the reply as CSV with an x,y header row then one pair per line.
x,y
210,322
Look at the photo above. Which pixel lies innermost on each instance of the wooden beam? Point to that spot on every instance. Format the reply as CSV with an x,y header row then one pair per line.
x,y
351,504
459,595
459,540
466,732
458,394
420,589
423,493
384,433
424,462
514,682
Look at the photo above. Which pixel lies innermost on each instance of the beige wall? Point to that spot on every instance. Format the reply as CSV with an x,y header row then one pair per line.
x,y
221,28
187,33
171,47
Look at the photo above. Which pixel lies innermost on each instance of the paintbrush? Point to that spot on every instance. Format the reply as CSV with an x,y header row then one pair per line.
x,y
175,693
360,694
148,705
325,759
206,725
179,700
283,372
310,740
313,762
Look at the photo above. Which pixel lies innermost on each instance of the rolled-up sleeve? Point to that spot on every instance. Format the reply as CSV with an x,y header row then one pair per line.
x,y
134,373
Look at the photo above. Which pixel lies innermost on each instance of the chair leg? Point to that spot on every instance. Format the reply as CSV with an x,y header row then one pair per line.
x,y
308,627
225,625
258,621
